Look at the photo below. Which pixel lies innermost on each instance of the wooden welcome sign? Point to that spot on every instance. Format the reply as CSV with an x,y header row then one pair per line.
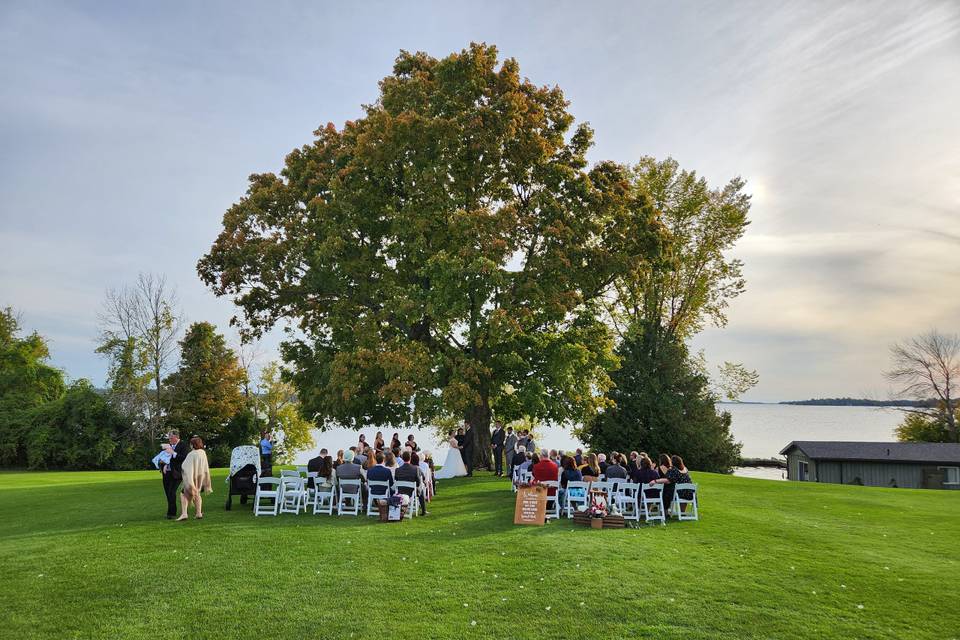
x,y
531,505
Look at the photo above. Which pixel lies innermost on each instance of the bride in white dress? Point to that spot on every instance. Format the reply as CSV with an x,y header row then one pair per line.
x,y
453,466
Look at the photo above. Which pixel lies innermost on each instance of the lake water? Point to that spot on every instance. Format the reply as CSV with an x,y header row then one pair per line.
x,y
764,429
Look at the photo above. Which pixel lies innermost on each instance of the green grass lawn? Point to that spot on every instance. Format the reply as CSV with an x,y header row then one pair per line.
x,y
89,555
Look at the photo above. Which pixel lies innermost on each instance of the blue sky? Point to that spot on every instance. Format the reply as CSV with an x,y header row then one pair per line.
x,y
127,129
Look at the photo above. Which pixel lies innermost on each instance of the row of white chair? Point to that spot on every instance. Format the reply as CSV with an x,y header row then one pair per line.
x,y
291,493
631,499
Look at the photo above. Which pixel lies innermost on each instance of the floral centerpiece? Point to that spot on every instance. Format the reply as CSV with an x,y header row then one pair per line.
x,y
598,504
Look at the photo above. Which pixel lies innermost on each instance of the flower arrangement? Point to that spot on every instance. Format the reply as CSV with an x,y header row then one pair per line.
x,y
598,504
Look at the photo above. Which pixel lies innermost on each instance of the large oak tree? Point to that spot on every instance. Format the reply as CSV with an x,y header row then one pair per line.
x,y
445,254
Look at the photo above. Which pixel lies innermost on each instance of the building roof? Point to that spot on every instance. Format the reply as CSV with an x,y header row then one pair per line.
x,y
929,452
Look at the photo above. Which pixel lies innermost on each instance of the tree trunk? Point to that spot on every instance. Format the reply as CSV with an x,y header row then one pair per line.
x,y
479,419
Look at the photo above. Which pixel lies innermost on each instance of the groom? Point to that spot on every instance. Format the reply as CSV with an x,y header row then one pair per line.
x,y
466,447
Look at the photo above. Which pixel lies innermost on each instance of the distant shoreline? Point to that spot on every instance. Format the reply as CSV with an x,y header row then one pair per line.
x,y
859,402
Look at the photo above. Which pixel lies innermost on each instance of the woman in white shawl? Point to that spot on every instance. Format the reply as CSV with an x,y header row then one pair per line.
x,y
196,479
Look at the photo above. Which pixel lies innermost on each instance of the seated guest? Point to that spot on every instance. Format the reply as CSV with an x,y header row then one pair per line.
x,y
426,471
578,458
379,473
358,456
518,458
673,476
524,466
570,473
545,470
634,462
681,476
616,469
390,461
349,470
313,466
602,462
370,459
591,468
645,473
326,474
555,457
408,472
339,459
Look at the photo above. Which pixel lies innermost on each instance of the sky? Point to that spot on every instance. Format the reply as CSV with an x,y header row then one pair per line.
x,y
128,128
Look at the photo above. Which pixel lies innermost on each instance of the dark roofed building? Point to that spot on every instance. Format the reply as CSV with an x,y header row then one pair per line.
x,y
915,465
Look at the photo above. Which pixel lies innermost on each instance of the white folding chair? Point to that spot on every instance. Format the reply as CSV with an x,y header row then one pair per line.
x,y
582,500
289,473
613,490
653,503
628,501
414,498
376,490
601,485
678,504
292,494
324,497
349,502
268,490
553,501
302,471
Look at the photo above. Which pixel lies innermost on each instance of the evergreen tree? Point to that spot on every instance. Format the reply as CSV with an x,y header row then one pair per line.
x,y
663,405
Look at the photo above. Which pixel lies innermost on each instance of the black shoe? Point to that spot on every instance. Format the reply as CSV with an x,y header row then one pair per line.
x,y
170,517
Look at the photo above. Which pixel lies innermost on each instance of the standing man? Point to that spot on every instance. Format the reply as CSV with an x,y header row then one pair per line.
x,y
172,471
266,450
497,439
510,450
467,451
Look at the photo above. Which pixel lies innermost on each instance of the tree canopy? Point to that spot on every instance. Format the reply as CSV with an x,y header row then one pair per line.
x,y
662,400
449,245
204,393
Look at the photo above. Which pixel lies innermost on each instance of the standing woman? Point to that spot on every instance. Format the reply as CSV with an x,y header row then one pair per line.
x,y
362,443
196,478
395,442
378,441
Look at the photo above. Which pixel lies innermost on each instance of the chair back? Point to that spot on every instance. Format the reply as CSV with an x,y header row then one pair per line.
x,y
289,473
349,486
268,484
378,488
406,487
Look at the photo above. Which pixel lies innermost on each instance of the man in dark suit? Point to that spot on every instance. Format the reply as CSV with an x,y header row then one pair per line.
x,y
497,439
313,465
172,472
408,472
469,437
379,473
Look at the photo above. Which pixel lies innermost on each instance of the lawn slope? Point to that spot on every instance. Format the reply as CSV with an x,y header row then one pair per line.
x,y
89,555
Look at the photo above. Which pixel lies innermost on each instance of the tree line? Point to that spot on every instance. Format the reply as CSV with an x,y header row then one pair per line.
x,y
160,376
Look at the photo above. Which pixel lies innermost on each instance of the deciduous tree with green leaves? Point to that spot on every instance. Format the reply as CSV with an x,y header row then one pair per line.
x,y
27,381
663,399
278,403
447,245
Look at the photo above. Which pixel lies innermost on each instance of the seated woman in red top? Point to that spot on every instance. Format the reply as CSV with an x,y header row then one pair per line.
x,y
545,469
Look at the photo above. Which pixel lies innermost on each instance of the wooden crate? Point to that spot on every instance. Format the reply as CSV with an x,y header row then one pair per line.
x,y
609,522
